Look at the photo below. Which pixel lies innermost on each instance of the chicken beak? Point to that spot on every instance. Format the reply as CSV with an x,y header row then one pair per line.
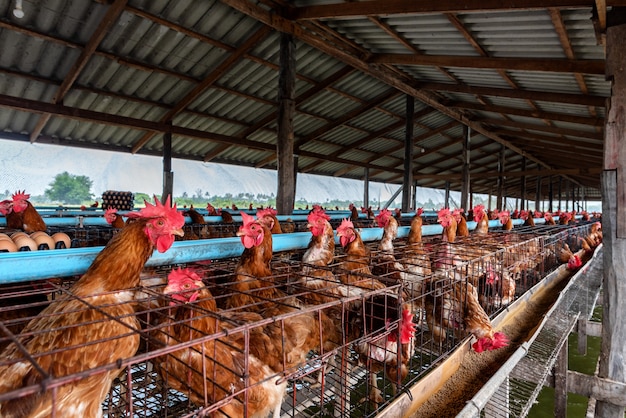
x,y
178,232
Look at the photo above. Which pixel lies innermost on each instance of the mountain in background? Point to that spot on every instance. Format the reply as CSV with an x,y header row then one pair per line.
x,y
32,167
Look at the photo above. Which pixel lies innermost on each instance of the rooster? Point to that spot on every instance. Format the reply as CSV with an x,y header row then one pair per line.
x,y
354,268
91,326
23,215
113,218
226,369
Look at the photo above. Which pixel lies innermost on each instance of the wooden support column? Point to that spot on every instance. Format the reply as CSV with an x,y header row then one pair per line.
x,y
286,196
366,187
168,175
538,192
499,200
523,185
407,182
550,194
613,349
446,199
465,180
560,195
560,382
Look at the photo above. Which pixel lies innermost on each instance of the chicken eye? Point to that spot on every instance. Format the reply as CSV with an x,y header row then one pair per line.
x,y
160,222
186,286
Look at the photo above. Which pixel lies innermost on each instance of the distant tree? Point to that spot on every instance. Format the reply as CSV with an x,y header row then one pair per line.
x,y
69,188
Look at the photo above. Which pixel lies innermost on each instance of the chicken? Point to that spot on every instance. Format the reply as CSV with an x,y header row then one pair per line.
x,y
505,220
385,264
549,219
23,215
113,218
461,222
453,304
565,218
566,256
217,368
416,263
320,253
268,218
254,287
91,326
527,216
496,288
377,327
198,228
353,267
482,222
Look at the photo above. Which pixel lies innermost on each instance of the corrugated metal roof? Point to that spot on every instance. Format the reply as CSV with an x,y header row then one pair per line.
x,y
211,69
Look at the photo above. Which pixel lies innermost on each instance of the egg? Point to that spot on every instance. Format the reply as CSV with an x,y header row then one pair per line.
x,y
4,236
18,234
7,245
25,241
43,240
62,240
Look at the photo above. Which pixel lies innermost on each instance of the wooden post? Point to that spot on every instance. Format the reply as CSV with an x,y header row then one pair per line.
x,y
560,196
285,197
407,182
465,180
538,192
168,175
550,194
499,200
366,187
446,199
560,382
523,185
613,349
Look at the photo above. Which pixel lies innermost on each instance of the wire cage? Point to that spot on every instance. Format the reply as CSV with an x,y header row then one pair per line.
x,y
324,345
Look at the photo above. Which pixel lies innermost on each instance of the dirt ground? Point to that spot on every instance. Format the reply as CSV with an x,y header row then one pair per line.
x,y
476,368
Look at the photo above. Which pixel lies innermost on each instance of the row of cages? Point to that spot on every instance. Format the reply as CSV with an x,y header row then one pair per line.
x,y
317,347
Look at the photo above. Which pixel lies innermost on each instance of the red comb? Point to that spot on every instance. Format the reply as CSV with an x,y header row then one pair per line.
x,y
345,224
383,217
487,344
247,219
265,212
20,195
419,211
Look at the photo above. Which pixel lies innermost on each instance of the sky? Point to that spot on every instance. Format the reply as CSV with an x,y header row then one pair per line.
x,y
32,167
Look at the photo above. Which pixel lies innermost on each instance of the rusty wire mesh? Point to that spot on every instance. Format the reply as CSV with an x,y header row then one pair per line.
x,y
328,382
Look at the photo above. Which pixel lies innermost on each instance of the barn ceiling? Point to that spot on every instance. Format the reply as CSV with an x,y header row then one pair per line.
x,y
526,77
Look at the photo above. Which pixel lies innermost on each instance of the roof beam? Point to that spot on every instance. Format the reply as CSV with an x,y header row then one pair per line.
x,y
111,16
208,81
517,64
579,99
403,7
598,136
530,113
492,174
